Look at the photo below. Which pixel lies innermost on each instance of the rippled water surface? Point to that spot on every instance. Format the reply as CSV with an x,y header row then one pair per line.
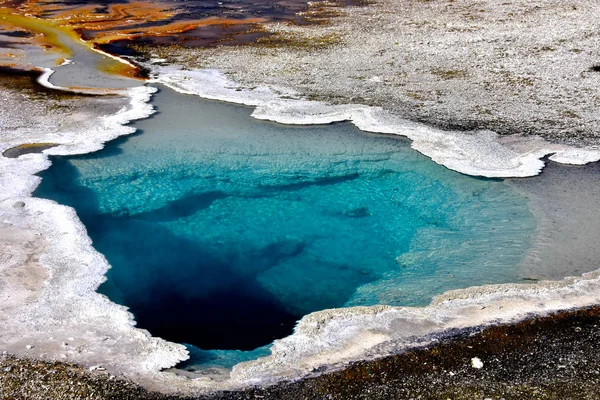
x,y
223,230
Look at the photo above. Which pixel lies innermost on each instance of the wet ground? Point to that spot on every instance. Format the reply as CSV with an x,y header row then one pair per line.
x,y
196,23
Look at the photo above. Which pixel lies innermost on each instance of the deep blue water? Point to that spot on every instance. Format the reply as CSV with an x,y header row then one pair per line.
x,y
223,230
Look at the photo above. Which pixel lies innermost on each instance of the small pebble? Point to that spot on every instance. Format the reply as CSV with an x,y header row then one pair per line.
x,y
476,363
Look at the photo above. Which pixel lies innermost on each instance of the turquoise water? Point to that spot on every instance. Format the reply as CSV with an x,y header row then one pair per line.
x,y
223,230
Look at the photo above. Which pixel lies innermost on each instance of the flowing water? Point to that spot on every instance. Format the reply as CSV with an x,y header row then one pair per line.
x,y
222,230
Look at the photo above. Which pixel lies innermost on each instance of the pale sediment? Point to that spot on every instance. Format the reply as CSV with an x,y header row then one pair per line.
x,y
564,200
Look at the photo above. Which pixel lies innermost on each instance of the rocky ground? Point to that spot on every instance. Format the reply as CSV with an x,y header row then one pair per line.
x,y
512,67
556,357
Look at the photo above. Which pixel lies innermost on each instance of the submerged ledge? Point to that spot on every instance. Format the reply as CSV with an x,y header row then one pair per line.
x,y
65,318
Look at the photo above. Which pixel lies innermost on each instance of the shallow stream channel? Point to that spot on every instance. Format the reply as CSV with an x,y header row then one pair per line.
x,y
222,230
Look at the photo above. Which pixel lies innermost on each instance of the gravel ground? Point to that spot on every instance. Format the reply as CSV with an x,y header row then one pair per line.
x,y
512,67
555,357
32,379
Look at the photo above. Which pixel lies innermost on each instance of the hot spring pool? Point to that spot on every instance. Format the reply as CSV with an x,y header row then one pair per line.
x,y
223,231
